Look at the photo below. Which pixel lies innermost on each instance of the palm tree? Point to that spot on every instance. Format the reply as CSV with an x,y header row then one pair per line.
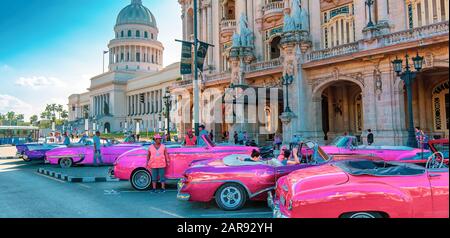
x,y
59,110
2,118
10,117
33,119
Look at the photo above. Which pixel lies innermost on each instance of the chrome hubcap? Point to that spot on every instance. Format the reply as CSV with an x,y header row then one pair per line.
x,y
363,215
231,197
141,179
66,163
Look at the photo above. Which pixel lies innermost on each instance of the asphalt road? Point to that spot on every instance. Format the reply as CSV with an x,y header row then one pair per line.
x,y
27,194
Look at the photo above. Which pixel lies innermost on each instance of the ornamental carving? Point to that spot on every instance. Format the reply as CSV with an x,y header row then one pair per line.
x,y
336,76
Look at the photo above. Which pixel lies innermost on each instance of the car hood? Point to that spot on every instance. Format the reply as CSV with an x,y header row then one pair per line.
x,y
315,177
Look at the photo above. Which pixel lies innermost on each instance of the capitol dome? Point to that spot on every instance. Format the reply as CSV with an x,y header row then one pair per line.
x,y
136,13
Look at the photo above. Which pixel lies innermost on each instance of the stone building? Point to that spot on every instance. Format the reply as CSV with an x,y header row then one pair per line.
x,y
133,89
339,53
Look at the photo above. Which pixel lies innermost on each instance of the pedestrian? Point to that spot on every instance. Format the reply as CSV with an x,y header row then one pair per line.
x,y
425,140
241,138
157,161
203,133
278,141
211,135
236,138
418,137
97,149
190,139
370,137
66,139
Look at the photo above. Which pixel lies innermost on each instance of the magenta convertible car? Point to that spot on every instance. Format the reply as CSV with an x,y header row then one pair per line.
x,y
84,154
132,165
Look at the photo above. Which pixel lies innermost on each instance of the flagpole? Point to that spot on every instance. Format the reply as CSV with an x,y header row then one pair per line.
x,y
196,90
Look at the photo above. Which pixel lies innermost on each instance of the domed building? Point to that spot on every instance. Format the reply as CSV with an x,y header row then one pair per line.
x,y
136,46
131,93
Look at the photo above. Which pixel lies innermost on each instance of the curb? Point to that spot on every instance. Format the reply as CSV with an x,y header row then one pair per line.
x,y
9,157
72,179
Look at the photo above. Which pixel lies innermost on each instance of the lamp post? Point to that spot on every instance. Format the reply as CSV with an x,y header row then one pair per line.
x,y
369,4
168,104
408,77
287,81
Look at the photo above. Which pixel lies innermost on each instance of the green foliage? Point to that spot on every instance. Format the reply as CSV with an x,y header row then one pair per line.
x,y
12,119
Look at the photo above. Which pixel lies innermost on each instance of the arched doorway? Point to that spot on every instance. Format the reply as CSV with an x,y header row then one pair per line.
x,y
431,102
342,110
107,127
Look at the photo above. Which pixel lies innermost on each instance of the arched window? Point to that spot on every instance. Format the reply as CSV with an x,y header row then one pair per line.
x,y
338,26
146,34
129,33
152,36
121,34
275,48
138,34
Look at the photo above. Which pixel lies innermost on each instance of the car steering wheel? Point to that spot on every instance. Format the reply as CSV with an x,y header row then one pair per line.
x,y
433,162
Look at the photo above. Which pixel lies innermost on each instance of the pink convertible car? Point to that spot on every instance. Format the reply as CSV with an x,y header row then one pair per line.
x,y
132,165
83,154
349,145
365,189
231,182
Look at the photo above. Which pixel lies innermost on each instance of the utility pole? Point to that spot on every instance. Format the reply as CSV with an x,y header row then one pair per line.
x,y
196,83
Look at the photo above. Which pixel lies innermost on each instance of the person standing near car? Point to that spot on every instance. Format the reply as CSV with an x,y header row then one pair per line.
x,y
97,149
370,137
66,139
157,161
203,132
190,139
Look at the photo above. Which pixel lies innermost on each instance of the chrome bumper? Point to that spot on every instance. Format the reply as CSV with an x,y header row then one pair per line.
x,y
275,206
182,196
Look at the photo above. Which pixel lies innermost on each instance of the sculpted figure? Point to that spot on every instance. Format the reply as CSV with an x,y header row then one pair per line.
x,y
236,40
304,20
289,24
296,14
246,33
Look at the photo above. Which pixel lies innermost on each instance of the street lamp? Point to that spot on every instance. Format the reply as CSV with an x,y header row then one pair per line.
x,y
287,81
168,104
408,77
369,4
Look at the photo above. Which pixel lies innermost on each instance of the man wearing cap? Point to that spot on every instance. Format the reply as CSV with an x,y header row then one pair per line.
x,y
203,132
157,161
190,139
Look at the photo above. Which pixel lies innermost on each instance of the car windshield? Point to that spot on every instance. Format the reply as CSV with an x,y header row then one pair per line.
x,y
340,141
442,147
208,141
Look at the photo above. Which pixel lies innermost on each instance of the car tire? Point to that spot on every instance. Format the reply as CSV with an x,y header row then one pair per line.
x,y
66,163
231,197
364,215
141,180
25,158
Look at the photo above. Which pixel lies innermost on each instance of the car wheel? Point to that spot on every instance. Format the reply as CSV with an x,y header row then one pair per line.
x,y
141,180
231,197
25,157
65,163
363,215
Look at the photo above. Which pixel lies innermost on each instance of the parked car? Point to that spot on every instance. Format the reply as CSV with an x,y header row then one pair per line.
x,y
365,189
350,145
132,165
231,182
35,151
83,154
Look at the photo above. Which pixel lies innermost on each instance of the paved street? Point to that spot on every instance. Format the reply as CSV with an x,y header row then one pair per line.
x,y
26,194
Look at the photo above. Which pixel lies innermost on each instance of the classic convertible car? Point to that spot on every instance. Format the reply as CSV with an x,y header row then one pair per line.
x,y
132,165
83,154
231,182
350,145
34,151
365,189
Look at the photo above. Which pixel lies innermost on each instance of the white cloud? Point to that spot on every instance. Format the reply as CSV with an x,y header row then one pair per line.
x,y
5,68
10,103
36,82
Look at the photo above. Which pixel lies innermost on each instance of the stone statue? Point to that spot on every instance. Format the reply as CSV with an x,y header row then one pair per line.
x,y
296,14
304,20
236,40
289,24
246,33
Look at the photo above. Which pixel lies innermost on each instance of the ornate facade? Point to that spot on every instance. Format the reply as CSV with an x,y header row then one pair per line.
x,y
340,55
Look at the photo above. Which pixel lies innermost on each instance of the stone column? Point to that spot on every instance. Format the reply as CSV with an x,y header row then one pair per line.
x,y
210,33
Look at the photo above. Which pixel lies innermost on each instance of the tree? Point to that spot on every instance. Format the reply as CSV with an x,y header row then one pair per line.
x,y
10,116
2,118
34,119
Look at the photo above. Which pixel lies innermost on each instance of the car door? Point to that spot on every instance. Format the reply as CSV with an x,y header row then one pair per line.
x,y
439,190
285,170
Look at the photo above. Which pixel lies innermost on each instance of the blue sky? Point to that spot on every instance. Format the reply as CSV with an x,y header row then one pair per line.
x,y
49,49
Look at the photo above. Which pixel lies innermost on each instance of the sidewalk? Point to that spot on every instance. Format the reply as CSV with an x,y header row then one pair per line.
x,y
7,151
78,174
